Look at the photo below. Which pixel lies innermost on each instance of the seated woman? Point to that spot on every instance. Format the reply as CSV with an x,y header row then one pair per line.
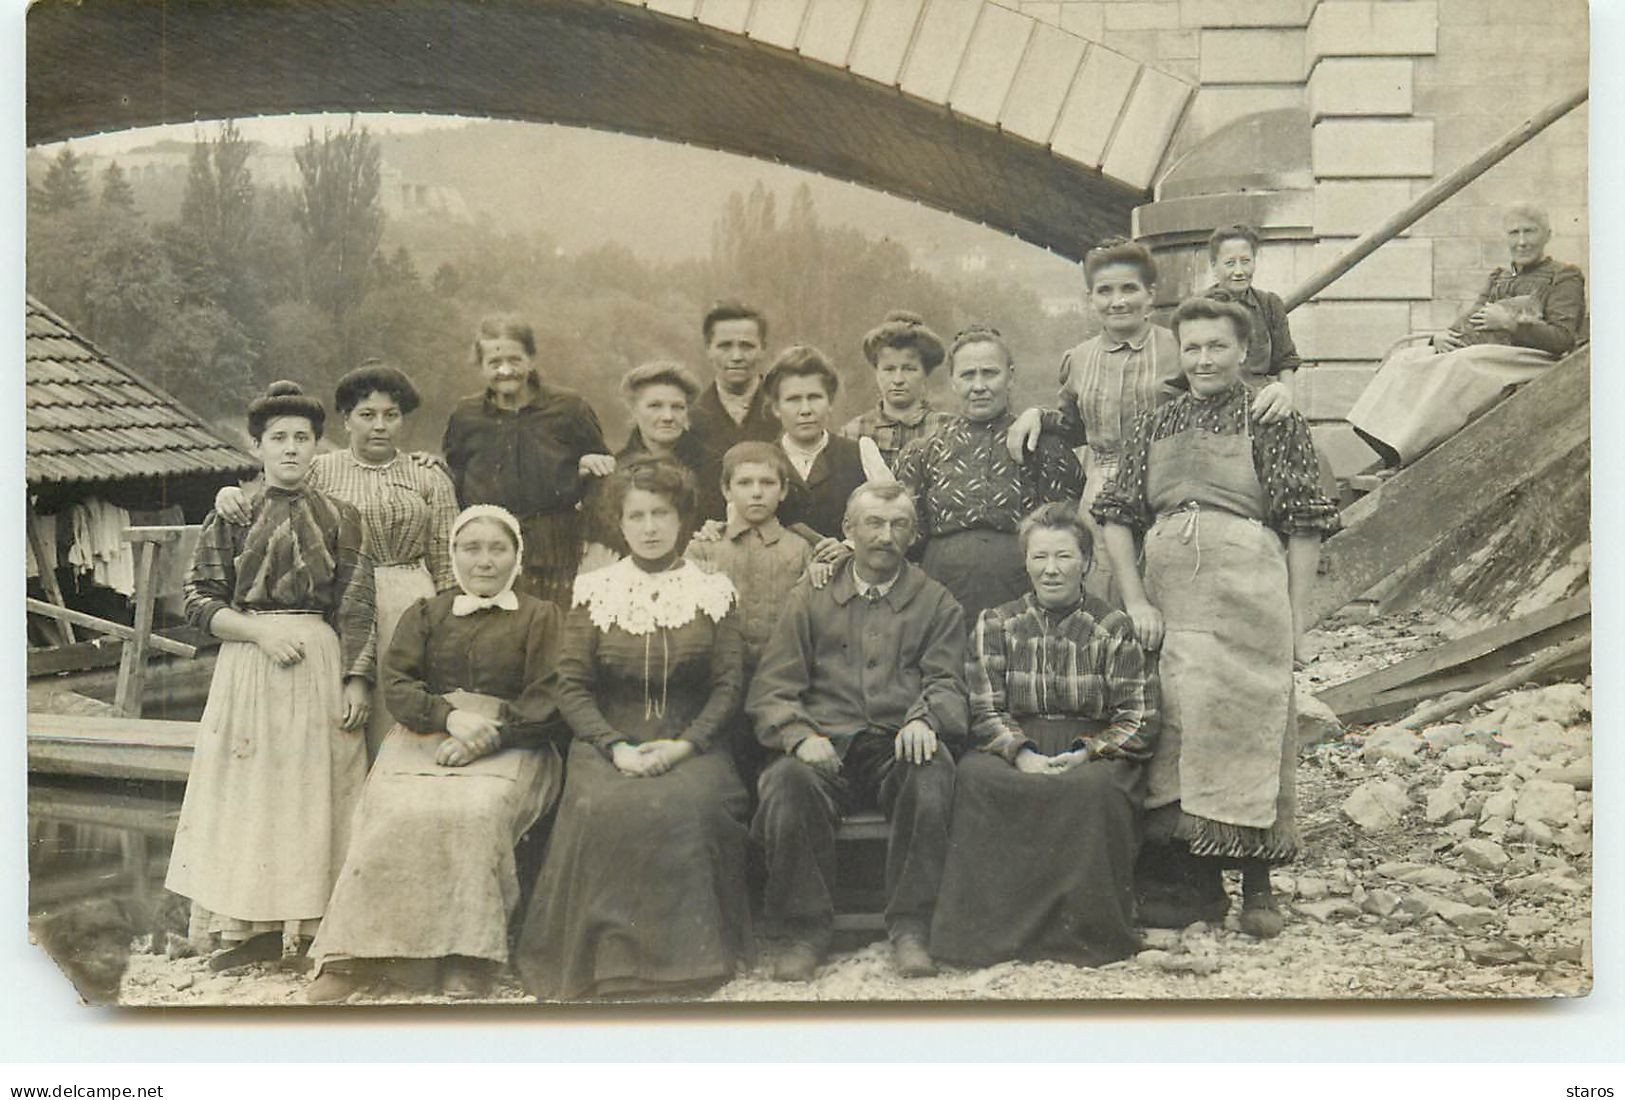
x,y
643,888
1045,824
1529,315
429,882
1230,514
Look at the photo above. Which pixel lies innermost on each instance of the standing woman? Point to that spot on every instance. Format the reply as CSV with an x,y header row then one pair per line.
x,y
530,447
430,882
1232,514
969,492
279,759
406,503
643,888
903,353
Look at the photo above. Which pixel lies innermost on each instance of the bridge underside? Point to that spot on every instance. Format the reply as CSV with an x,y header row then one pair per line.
x,y
114,64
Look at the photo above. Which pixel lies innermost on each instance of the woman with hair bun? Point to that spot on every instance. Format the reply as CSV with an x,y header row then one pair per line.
x,y
643,889
904,354
280,758
405,500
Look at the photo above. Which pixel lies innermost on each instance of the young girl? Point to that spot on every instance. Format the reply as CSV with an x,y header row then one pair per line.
x,y
280,756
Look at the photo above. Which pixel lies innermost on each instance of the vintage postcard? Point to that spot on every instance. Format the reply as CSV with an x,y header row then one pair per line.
x,y
594,501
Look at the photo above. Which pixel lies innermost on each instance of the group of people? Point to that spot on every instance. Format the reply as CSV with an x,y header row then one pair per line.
x,y
1067,686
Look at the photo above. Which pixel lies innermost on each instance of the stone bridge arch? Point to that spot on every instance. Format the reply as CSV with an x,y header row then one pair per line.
x,y
963,105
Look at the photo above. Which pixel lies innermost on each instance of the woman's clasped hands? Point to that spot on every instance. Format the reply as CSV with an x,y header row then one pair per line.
x,y
1031,762
651,758
471,736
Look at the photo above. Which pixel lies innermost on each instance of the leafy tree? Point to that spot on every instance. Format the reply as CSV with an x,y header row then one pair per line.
x,y
219,202
116,191
65,187
340,217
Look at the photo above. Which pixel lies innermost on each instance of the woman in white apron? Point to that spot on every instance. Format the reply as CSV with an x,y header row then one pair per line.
x,y
1231,514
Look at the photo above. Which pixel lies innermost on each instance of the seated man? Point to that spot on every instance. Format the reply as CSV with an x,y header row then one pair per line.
x,y
861,687
1528,316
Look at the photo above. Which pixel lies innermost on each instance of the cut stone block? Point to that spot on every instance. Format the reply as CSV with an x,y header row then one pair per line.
x,y
1360,28
1265,55
939,45
884,38
726,15
777,22
989,65
1350,208
1039,91
1147,124
1399,269
1362,86
1353,330
1096,101
1372,148
827,32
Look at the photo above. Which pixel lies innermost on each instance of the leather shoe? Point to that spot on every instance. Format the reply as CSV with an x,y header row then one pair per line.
x,y
332,986
796,963
911,958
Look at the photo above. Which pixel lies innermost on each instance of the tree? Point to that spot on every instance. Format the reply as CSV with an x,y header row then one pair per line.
x,y
219,202
64,188
340,217
116,191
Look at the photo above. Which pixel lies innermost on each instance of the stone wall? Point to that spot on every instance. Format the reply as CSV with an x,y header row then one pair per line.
x,y
1399,94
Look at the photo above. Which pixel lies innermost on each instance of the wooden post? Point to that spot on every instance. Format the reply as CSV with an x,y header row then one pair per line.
x,y
132,669
132,672
1432,197
47,575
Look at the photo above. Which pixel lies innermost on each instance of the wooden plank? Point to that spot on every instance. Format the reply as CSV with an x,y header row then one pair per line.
x,y
1458,480
1461,650
132,673
106,626
98,881
110,748
95,727
1517,677
47,575
165,534
96,653
113,810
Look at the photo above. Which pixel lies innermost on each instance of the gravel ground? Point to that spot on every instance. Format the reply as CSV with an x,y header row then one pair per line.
x,y
1451,864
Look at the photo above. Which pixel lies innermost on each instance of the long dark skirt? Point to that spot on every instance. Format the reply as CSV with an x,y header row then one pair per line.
x,y
643,886
1040,866
981,568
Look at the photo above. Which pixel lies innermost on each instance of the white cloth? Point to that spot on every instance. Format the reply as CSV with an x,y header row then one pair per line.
x,y
99,547
465,604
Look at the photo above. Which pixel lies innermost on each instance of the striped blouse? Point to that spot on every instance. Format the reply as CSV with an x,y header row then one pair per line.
x,y
1026,662
407,506
301,551
1107,385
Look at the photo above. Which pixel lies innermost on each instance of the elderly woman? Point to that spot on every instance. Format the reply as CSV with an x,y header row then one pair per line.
x,y
1231,514
643,888
903,353
659,395
1046,807
405,501
430,881
1530,314
969,491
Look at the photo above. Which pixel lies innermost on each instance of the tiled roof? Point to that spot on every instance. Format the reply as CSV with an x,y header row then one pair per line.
x,y
90,419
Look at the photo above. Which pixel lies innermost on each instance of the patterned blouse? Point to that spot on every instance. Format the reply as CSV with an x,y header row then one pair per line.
x,y
301,550
1560,290
1027,662
406,505
508,654
1283,455
1107,385
890,434
963,478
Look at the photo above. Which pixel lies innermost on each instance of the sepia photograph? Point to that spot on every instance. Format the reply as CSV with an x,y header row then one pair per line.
x,y
563,502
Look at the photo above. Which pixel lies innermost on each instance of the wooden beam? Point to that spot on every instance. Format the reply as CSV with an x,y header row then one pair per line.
x,y
43,555
163,534
1418,507
1444,708
132,672
101,652
112,748
106,626
1463,662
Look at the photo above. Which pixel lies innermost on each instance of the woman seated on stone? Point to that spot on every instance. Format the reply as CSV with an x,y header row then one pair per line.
x,y
643,888
1063,715
429,883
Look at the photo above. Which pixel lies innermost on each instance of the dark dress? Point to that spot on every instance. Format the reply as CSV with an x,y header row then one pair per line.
x,y
819,499
1042,866
643,886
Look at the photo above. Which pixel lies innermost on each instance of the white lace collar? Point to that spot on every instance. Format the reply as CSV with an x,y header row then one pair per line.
x,y
624,595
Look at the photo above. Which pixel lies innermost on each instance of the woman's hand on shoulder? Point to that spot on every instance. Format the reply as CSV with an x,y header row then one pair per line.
x,y
232,504
1148,626
1021,439
1032,762
709,531
1274,402
596,465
